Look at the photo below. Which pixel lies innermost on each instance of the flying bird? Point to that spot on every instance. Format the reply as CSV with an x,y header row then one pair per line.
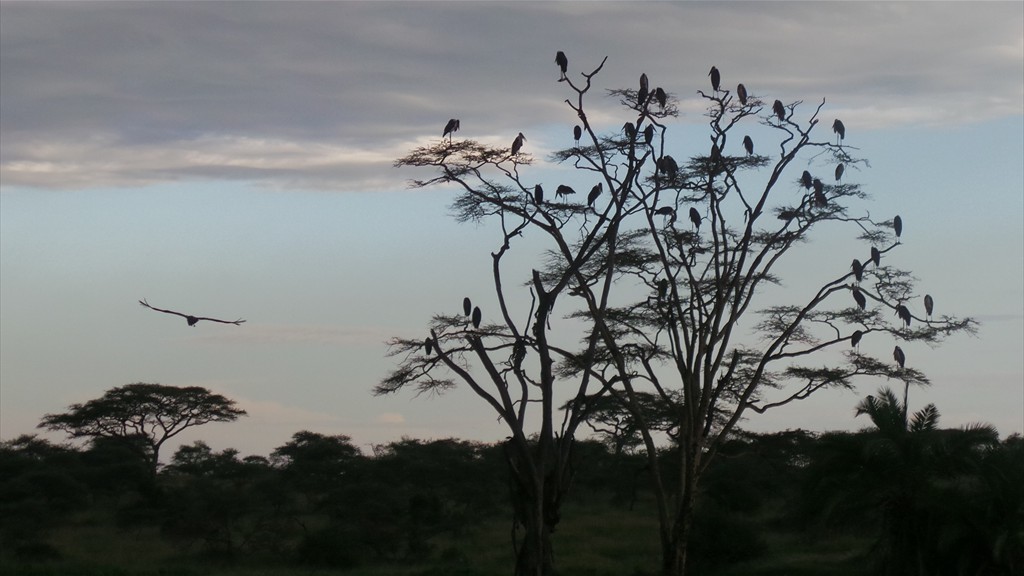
x,y
897,227
450,128
518,143
839,128
779,110
563,63
899,356
839,171
748,143
661,96
904,313
538,194
477,316
929,305
859,297
741,91
189,318
858,270
467,306
594,193
716,78
564,190
577,133
855,338
695,218
876,256
805,179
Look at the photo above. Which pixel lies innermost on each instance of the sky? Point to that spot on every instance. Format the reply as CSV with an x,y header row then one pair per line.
x,y
235,160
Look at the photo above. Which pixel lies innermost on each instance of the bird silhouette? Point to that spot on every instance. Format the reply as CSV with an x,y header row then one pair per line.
x,y
563,190
667,164
899,356
450,128
188,317
641,95
538,194
716,78
862,302
695,218
876,256
517,144
779,110
665,211
904,313
661,96
649,134
929,305
806,180
839,129
855,338
467,306
662,289
577,133
629,130
858,270
563,63
819,193
897,227
839,171
748,144
594,193
428,346
788,215
741,91
477,316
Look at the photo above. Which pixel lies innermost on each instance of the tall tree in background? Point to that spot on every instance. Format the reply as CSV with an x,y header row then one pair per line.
x,y
143,416
655,271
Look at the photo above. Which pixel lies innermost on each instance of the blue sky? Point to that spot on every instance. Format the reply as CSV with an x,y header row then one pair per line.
x,y
235,160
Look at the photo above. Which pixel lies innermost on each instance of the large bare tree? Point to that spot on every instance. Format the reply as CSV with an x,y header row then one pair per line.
x,y
661,273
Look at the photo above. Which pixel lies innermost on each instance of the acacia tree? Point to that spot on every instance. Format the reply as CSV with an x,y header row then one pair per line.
x,y
658,298
143,416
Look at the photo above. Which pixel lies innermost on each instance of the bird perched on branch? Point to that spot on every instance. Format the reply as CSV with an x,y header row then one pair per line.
x,y
855,338
741,91
748,144
189,318
594,193
839,171
839,129
876,256
467,306
858,269
695,218
897,227
477,316
517,144
661,96
641,95
564,190
904,313
899,356
806,180
450,128
780,110
538,194
716,78
563,63
577,133
929,305
859,297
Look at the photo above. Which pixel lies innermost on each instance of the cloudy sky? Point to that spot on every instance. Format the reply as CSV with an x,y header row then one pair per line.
x,y
235,160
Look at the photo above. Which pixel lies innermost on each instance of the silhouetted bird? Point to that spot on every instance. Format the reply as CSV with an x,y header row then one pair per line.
x,y
467,306
741,91
876,256
661,96
649,134
477,316
667,165
666,211
641,95
538,194
517,144
929,305
904,313
563,63
695,218
897,227
563,190
594,193
788,215
899,356
629,130
716,78
716,153
839,171
806,180
428,346
577,133
450,128
855,338
779,110
189,318
858,270
839,128
819,193
862,302
662,289
748,145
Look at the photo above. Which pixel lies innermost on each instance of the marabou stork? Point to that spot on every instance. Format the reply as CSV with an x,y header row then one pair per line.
x,y
748,144
779,110
538,194
716,78
467,306
858,270
189,318
839,171
695,218
450,128
477,316
577,133
929,305
517,144
897,227
899,356
594,193
741,91
563,190
859,297
563,63
839,129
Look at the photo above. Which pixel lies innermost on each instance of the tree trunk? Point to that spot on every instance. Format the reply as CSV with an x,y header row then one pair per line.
x,y
536,499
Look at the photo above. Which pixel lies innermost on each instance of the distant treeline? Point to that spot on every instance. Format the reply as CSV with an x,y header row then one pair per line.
x,y
318,501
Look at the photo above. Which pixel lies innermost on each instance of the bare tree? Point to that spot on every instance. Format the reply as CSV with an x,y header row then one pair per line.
x,y
659,298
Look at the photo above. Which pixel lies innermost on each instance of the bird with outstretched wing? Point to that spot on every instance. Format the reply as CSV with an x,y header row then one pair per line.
x,y
190,319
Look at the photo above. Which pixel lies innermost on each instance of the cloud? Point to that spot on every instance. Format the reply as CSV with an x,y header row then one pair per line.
x,y
326,95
